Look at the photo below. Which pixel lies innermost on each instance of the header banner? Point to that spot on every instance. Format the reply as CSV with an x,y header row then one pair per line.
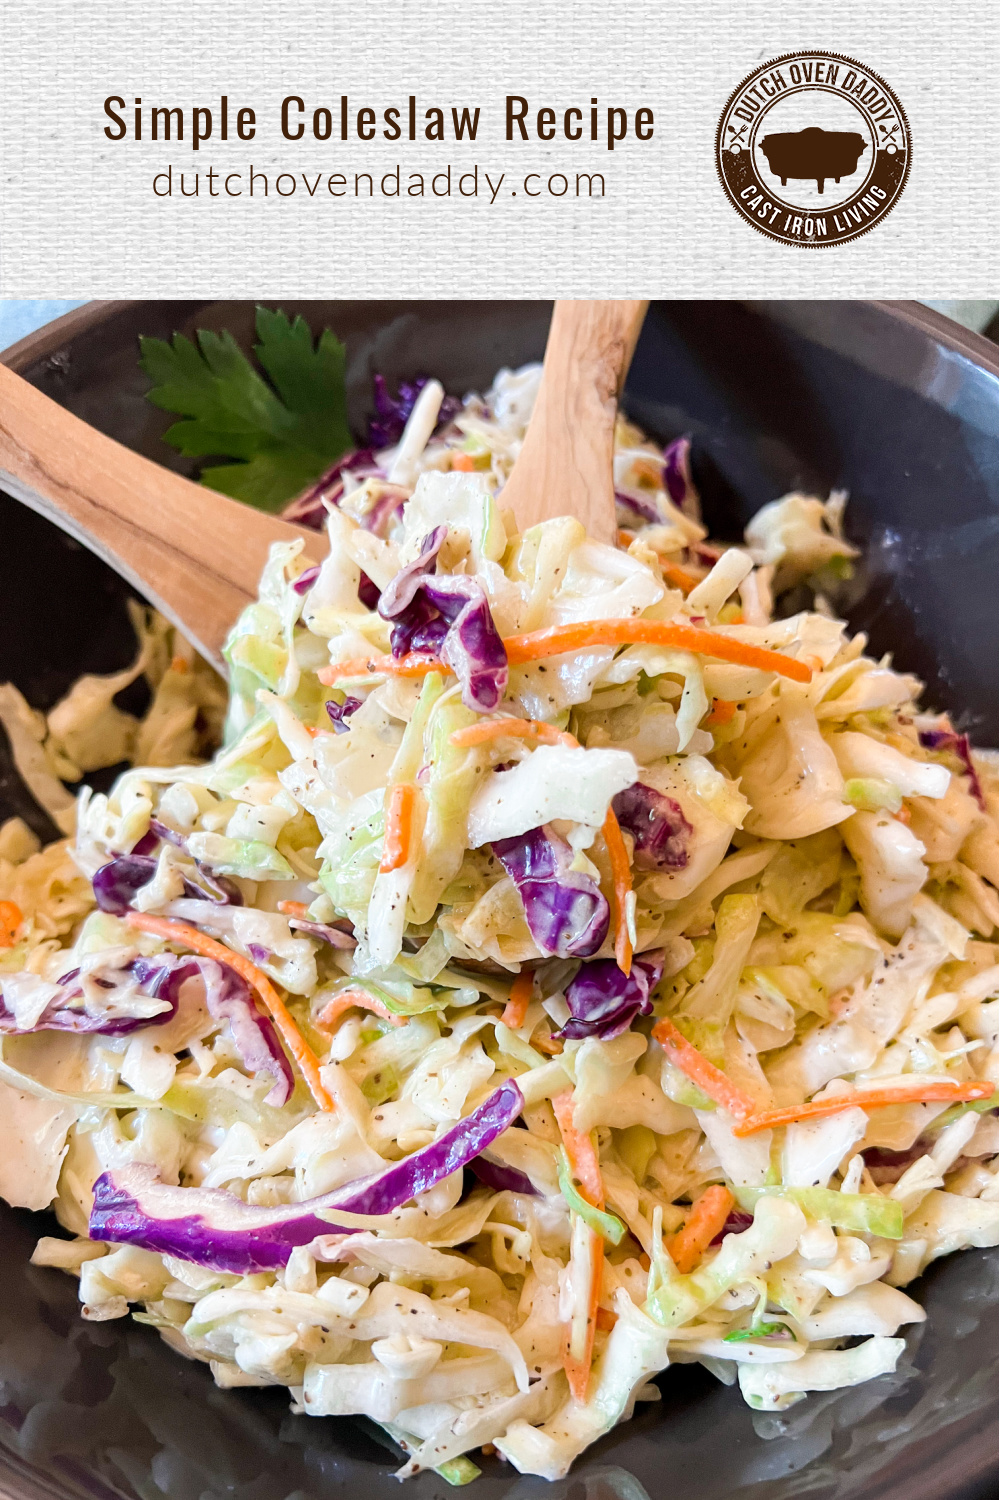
x,y
697,150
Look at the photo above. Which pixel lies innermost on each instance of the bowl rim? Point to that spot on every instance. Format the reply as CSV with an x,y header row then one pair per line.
x,y
48,339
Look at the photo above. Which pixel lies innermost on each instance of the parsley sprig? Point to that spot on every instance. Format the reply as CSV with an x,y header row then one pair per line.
x,y
283,430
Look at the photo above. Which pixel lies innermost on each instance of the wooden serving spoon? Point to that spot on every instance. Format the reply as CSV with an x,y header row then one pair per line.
x,y
197,555
193,553
565,465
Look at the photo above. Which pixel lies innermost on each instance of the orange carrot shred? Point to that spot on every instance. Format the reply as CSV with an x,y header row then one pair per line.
x,y
292,908
550,1045
495,729
351,999
181,932
625,538
586,1169
622,876
179,665
721,713
606,1319
678,576
520,998
558,639
701,1072
706,1219
580,1150
11,918
464,463
414,664
398,827
931,1091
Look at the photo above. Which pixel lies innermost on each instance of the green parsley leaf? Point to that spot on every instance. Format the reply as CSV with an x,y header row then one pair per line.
x,y
283,432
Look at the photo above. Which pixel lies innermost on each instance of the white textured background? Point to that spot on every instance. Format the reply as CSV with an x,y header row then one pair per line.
x,y
78,218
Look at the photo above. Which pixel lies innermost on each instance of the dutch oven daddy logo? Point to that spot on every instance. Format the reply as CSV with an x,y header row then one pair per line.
x,y
813,149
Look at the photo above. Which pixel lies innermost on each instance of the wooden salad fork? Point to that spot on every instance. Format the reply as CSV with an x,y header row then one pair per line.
x,y
197,555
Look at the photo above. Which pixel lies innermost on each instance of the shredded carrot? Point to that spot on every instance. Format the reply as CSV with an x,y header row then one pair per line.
x,y
706,1219
181,932
558,639
521,729
626,538
11,918
398,827
292,908
520,998
678,576
586,1169
464,463
414,664
580,1150
721,713
701,1072
550,1045
606,1319
179,664
903,816
351,999
622,876
931,1091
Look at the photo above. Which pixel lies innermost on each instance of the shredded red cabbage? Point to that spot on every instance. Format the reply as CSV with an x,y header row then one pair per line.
x,y
61,1015
448,616
328,932
736,1223
631,510
567,914
217,1229
677,479
603,1002
501,1178
656,822
309,508
228,997
393,412
339,712
958,744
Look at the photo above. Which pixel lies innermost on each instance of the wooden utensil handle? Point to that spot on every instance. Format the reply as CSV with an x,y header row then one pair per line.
x,y
565,464
150,524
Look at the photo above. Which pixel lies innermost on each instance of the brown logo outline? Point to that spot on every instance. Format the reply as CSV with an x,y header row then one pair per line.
x,y
803,242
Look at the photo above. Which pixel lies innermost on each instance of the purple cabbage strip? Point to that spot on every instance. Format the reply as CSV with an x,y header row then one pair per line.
x,y
228,997
309,508
736,1223
501,1178
116,883
393,412
958,744
661,832
224,892
677,479
306,579
603,1002
327,932
217,1229
259,953
567,914
449,616
369,592
339,712
643,511
59,1015
401,593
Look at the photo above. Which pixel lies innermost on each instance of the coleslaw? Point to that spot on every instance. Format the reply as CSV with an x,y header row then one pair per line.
x,y
567,966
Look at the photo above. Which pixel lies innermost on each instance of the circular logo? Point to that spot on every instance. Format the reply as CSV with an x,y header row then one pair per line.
x,y
813,149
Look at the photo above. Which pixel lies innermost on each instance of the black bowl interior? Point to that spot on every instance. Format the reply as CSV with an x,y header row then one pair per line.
x,y
811,395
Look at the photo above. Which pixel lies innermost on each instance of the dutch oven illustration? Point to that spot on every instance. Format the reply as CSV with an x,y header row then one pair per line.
x,y
813,153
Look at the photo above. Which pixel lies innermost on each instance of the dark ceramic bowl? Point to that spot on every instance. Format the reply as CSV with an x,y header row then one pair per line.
x,y
886,400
